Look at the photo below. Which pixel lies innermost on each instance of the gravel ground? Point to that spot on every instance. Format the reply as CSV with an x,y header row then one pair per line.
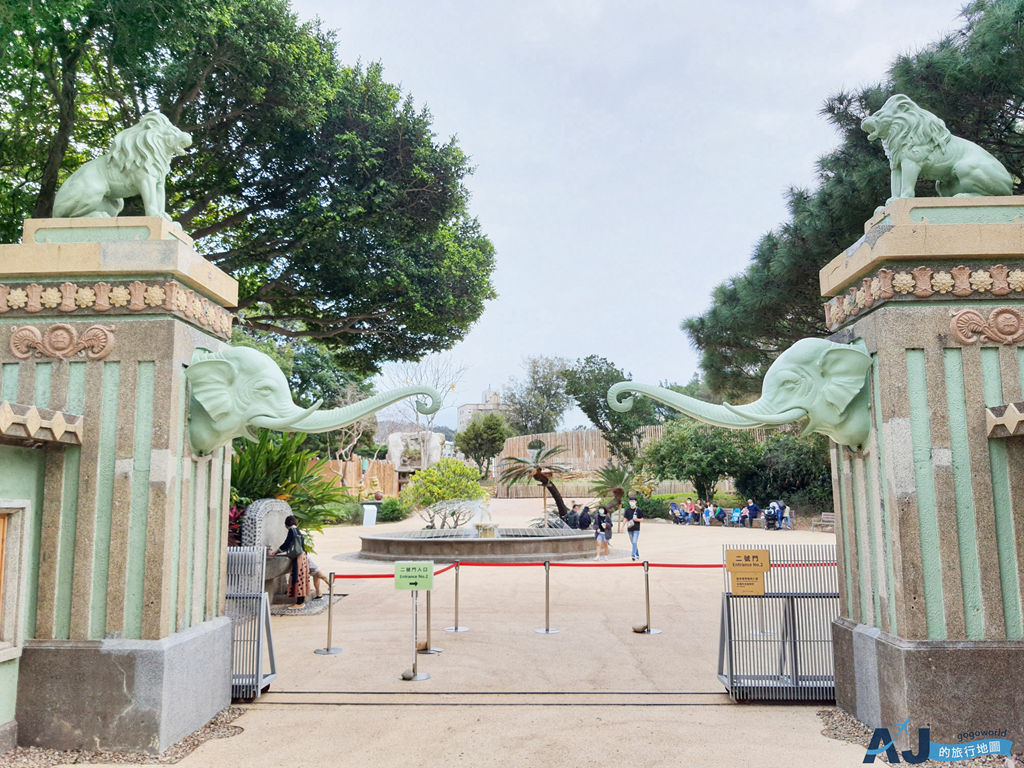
x,y
36,757
839,725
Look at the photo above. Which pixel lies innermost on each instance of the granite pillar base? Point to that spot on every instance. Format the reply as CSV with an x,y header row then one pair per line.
x,y
8,736
125,695
949,686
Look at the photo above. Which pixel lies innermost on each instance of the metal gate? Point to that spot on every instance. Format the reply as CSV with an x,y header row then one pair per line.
x,y
779,646
253,666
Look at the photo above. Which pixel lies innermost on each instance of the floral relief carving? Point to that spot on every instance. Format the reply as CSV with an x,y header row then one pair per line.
x,y
1016,280
1003,326
981,280
85,297
876,288
134,297
903,283
17,298
102,297
154,296
1000,280
923,282
119,296
62,341
869,299
961,280
50,297
942,282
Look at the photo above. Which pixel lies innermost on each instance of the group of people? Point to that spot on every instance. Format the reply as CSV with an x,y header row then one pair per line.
x,y
602,525
776,516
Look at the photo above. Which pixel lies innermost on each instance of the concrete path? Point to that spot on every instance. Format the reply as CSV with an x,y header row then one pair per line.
x,y
594,694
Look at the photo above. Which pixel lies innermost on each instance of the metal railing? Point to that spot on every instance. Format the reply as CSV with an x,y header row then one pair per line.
x,y
253,666
779,646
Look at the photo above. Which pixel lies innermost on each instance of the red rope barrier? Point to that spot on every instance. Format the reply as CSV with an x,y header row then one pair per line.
x,y
502,565
596,565
573,565
364,576
685,565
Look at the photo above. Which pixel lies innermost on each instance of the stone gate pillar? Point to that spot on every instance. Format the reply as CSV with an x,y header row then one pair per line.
x,y
931,513
127,646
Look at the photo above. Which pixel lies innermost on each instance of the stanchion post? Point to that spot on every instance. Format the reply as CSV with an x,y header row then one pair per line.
x,y
648,629
547,630
427,649
457,628
327,650
414,673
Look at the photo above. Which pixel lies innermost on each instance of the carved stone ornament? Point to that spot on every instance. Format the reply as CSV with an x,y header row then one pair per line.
x,y
1004,326
1005,420
62,341
922,282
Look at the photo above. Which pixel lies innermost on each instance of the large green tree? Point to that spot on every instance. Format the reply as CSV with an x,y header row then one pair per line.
x,y
537,402
587,382
785,466
973,79
482,440
320,187
699,453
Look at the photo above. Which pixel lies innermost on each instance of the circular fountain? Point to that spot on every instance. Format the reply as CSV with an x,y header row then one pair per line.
x,y
448,545
480,539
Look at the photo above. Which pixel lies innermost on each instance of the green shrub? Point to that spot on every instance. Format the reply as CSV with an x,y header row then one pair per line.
x,y
652,507
276,467
447,480
393,509
348,510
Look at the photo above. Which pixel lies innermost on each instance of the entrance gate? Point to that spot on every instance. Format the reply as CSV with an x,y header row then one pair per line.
x,y
778,646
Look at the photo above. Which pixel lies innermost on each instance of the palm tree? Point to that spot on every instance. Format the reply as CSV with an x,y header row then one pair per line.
x,y
537,467
614,481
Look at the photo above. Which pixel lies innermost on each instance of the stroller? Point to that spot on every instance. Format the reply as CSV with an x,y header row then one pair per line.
x,y
771,518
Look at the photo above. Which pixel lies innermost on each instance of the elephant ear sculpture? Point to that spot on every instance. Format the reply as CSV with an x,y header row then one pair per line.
x,y
816,379
239,389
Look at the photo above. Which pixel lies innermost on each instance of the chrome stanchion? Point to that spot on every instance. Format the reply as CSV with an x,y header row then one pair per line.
x,y
426,647
328,650
647,629
456,628
414,673
547,630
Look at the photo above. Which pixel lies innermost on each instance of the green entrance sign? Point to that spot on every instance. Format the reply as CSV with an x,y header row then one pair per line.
x,y
414,574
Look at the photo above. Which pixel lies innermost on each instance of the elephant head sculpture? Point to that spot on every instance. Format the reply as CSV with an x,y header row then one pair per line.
x,y
815,378
239,389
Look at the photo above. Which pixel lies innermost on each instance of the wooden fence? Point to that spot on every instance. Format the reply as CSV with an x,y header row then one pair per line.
x,y
580,489
349,474
586,450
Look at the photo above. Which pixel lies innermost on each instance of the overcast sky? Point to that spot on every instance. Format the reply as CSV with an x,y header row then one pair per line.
x,y
628,155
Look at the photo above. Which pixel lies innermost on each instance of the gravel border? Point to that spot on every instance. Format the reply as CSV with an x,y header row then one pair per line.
x,y
844,727
38,757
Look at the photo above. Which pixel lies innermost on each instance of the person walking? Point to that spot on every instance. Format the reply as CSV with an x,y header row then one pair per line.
x,y
633,517
602,532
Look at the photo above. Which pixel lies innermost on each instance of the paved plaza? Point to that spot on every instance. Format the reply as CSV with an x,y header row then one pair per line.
x,y
594,694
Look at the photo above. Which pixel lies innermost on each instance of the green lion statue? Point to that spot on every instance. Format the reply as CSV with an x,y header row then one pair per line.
x,y
919,145
137,163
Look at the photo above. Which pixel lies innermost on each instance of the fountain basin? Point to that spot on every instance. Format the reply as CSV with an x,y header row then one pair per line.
x,y
450,545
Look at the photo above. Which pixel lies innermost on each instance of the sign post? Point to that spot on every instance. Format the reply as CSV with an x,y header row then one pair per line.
x,y
747,568
414,575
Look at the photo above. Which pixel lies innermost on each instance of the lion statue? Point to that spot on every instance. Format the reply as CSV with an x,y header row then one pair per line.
x,y
919,145
137,164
